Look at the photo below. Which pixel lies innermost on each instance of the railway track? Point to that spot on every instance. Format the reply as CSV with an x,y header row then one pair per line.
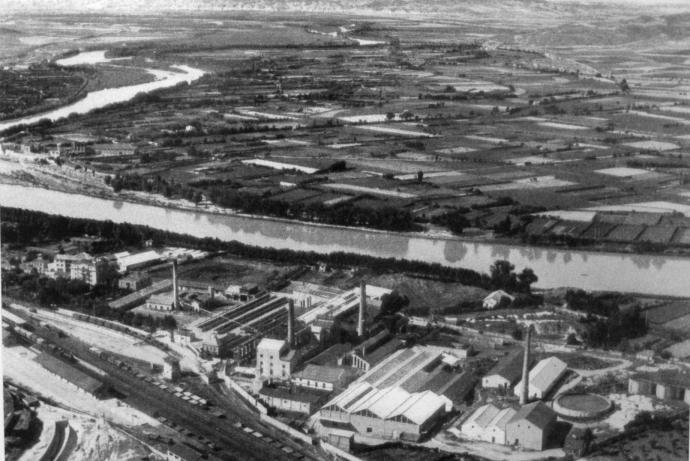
x,y
230,442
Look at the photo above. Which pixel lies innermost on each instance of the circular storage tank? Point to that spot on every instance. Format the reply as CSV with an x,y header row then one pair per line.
x,y
582,406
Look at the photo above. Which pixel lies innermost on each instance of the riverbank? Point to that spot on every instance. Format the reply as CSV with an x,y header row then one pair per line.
x,y
594,271
99,189
101,98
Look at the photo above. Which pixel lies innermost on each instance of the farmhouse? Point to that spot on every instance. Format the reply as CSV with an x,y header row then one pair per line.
x,y
497,299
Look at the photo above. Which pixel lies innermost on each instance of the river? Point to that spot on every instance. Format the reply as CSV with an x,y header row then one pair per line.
x,y
96,99
647,274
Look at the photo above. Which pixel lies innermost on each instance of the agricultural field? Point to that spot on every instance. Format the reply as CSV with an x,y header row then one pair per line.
x,y
389,124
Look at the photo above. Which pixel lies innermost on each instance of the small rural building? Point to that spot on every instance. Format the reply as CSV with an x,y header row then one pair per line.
x,y
134,281
488,423
543,377
498,298
506,373
531,426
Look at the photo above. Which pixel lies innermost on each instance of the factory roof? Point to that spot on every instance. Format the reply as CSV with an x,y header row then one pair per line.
x,y
502,418
489,415
390,402
666,377
69,373
509,368
483,415
331,355
162,298
321,373
536,413
74,257
545,373
126,259
297,395
271,344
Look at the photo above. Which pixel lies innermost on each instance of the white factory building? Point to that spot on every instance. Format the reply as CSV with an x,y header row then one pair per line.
x,y
402,397
543,377
274,359
488,423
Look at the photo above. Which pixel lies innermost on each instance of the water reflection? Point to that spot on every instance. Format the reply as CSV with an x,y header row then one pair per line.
x,y
663,275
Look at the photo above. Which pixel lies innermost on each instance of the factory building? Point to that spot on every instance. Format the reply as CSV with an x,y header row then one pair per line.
x,y
243,326
664,384
291,399
402,397
543,377
275,359
488,423
322,377
134,281
531,426
505,374
82,266
161,302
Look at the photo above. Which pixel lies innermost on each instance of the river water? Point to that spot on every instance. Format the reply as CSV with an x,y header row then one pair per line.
x,y
101,98
660,275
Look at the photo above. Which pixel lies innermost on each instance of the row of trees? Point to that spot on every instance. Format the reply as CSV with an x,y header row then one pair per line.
x,y
78,296
24,226
345,214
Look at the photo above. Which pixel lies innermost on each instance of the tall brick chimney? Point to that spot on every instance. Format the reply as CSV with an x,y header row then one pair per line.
x,y
176,295
362,307
291,323
524,392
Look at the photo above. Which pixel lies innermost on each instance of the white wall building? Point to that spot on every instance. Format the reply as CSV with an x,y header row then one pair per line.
x,y
274,359
543,377
488,423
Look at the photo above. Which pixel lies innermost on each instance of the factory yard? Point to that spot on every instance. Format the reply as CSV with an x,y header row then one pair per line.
x,y
19,367
104,338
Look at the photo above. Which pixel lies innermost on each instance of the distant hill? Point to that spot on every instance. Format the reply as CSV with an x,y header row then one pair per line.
x,y
467,8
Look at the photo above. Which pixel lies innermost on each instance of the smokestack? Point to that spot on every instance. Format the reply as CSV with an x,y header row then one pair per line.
x,y
211,292
362,307
176,298
291,323
524,394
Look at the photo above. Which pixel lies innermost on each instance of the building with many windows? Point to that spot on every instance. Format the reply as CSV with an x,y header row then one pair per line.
x,y
274,359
